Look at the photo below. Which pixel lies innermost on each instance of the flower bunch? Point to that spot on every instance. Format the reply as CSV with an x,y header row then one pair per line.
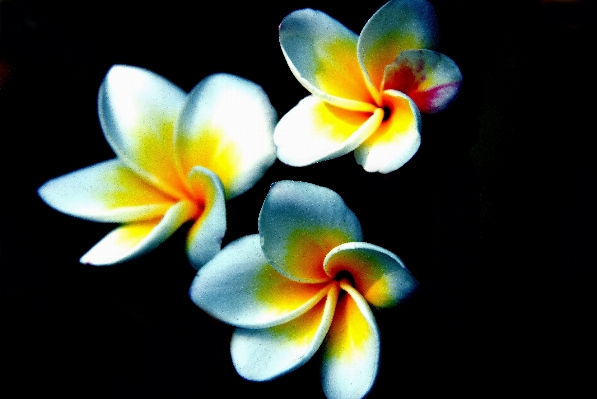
x,y
179,156
304,279
367,90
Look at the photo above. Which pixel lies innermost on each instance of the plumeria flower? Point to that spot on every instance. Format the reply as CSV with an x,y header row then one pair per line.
x,y
179,156
367,90
305,280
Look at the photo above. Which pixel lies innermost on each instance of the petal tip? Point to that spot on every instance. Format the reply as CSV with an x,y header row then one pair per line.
x,y
91,258
42,192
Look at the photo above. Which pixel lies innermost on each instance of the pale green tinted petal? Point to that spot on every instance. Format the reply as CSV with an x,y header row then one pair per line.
x,y
299,224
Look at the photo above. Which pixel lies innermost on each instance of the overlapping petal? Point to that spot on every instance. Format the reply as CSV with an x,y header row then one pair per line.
x,y
429,78
379,275
134,239
106,192
267,353
315,131
299,224
204,239
138,110
226,126
394,61
396,140
397,26
322,54
299,284
351,355
221,288
171,168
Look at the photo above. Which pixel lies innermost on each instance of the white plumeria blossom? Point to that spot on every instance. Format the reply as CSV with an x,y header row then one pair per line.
x,y
367,90
304,281
179,157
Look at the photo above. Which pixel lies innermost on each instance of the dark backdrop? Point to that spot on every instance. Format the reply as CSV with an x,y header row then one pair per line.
x,y
495,215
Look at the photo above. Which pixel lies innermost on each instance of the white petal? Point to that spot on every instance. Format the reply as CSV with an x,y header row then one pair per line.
x,y
398,25
351,355
137,110
378,274
396,140
263,354
204,239
429,78
322,55
134,239
239,287
226,126
106,192
315,131
299,224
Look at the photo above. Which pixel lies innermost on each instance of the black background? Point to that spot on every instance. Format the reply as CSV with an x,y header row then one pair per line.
x,y
495,215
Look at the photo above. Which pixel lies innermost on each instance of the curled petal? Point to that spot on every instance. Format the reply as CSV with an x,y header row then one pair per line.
x,y
299,224
429,78
137,109
396,140
378,274
220,288
106,192
315,131
351,354
267,353
397,26
204,239
226,126
322,54
134,239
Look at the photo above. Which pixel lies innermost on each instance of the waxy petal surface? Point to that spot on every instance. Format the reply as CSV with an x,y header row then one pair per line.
x,y
134,239
106,192
239,287
429,78
351,355
263,354
299,224
379,275
315,130
137,110
322,54
396,140
226,126
397,26
204,239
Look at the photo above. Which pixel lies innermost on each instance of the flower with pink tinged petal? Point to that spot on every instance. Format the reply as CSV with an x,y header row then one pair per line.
x,y
367,91
178,157
304,281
